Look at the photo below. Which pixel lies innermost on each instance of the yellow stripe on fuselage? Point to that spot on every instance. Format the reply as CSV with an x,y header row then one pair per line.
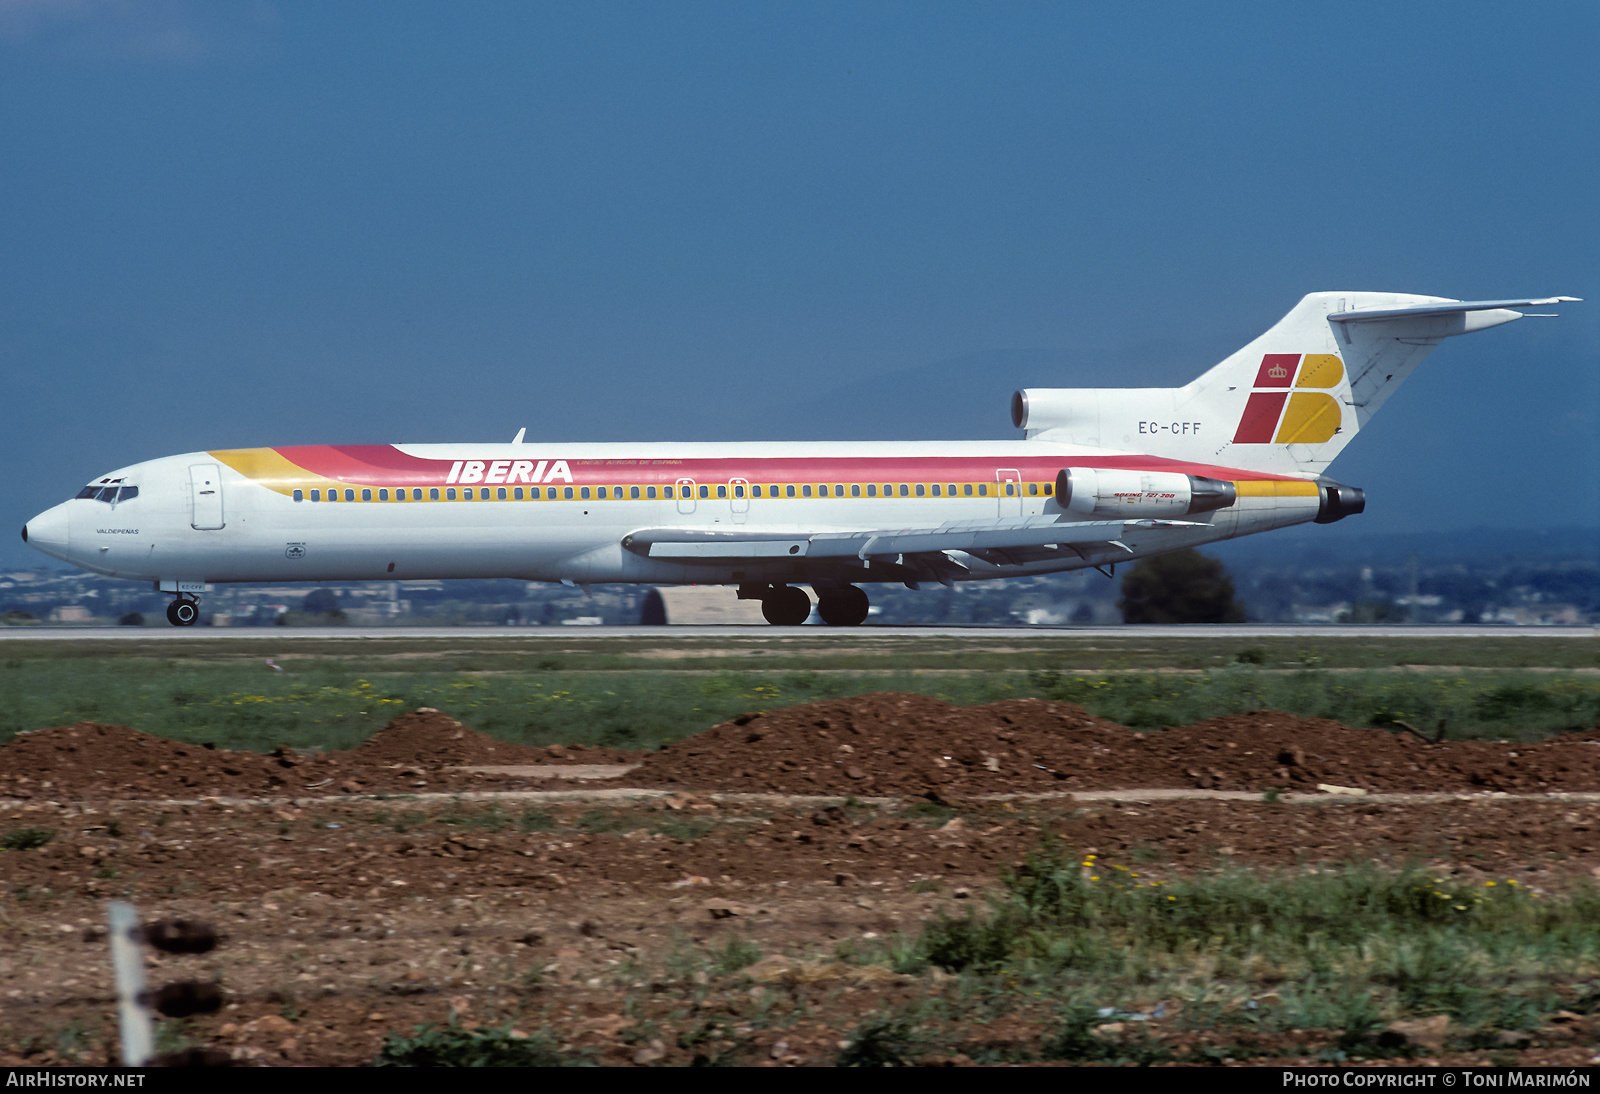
x,y
267,467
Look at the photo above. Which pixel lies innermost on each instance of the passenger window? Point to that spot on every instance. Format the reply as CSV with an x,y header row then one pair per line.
x,y
855,490
299,496
903,490
316,495
822,491
666,491
533,492
805,491
433,493
722,491
872,489
583,492
601,493
366,495
567,492
633,491
983,489
1011,489
921,490
500,493
450,494
1033,489
517,493
789,490
383,495
966,488
952,490
1047,488
738,491
935,489
650,492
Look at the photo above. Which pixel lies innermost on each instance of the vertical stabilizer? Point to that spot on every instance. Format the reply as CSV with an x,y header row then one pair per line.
x,y
1286,403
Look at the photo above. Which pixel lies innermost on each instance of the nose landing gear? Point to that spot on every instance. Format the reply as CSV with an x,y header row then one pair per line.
x,y
183,612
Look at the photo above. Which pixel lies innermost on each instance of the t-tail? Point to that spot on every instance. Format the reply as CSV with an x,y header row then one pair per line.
x,y
1285,404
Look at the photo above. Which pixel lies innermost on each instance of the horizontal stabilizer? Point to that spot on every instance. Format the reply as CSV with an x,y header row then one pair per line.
x,y
1366,315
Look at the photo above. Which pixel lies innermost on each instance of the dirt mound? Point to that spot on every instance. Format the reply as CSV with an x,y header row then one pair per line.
x,y
911,744
886,743
430,738
90,757
413,752
890,743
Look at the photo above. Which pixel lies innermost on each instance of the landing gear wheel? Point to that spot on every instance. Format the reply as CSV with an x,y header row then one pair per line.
x,y
183,613
846,607
786,606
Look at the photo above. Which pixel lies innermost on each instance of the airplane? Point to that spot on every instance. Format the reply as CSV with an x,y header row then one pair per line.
x,y
1101,476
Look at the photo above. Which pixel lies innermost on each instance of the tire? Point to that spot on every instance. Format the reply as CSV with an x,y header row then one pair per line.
x,y
846,607
786,606
183,613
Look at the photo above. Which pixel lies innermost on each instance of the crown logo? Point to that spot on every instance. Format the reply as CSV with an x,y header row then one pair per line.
x,y
1277,372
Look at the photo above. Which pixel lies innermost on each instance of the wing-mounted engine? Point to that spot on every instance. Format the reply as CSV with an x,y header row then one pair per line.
x,y
1100,492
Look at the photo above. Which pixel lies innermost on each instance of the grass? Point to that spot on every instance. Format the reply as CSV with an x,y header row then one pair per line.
x,y
1334,949
337,702
457,1046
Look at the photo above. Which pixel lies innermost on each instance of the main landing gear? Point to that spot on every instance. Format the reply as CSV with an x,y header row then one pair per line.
x,y
787,606
183,612
843,607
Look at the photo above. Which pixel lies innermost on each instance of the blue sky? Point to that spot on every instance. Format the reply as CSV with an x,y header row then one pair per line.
x,y
232,224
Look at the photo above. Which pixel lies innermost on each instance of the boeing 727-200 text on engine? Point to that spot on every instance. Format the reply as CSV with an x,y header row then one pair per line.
x,y
1102,475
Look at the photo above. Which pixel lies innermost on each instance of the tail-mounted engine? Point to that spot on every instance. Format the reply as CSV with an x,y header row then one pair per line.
x,y
1099,492
1338,501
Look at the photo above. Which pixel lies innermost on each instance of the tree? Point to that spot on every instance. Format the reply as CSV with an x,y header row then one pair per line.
x,y
1179,587
320,602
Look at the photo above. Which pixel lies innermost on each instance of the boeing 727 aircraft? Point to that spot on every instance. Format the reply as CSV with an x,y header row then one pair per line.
x,y
1103,475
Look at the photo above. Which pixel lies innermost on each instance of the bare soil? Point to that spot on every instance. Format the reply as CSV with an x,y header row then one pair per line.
x,y
352,907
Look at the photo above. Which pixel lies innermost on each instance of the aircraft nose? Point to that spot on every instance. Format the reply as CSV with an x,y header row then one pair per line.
x,y
49,532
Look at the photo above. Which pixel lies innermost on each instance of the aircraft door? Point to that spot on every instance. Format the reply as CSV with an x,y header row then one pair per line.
x,y
686,496
1008,483
205,492
739,498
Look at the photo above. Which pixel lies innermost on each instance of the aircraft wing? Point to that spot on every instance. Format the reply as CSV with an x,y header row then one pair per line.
x,y
972,536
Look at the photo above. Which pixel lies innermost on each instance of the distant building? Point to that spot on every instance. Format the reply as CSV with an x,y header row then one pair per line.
x,y
702,605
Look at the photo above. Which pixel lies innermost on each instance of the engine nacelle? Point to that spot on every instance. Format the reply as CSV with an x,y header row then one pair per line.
x,y
1100,492
1339,501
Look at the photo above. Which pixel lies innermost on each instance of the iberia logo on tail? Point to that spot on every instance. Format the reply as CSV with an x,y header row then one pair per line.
x,y
1298,417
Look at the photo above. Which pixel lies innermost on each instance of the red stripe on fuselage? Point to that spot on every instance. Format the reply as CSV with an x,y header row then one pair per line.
x,y
385,465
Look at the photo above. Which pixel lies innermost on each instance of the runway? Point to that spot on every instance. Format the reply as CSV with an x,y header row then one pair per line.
x,y
568,634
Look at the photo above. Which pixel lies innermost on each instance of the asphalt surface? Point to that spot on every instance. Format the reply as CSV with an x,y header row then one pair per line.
x,y
1229,630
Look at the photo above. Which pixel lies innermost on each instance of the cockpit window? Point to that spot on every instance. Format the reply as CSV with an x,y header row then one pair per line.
x,y
109,490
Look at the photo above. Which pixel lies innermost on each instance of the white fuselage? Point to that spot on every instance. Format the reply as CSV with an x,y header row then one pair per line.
x,y
536,512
